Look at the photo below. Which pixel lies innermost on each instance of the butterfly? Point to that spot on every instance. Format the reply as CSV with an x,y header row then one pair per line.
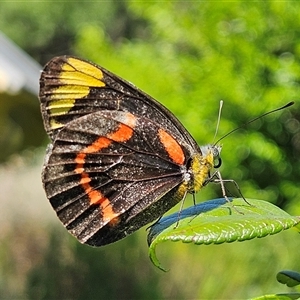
x,y
118,159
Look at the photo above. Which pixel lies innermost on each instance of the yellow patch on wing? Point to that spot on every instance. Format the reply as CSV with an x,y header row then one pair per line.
x,y
55,125
76,79
78,72
60,107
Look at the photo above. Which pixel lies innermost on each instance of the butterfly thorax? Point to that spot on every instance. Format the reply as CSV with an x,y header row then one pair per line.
x,y
202,164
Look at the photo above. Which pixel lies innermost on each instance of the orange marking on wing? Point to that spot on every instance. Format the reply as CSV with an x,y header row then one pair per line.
x,y
95,197
80,158
80,161
122,134
100,143
125,130
79,169
174,150
85,179
108,213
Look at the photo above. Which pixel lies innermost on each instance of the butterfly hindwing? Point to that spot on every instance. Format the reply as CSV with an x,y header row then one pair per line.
x,y
102,164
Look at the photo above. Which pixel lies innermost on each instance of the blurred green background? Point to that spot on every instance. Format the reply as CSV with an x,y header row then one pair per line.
x,y
189,55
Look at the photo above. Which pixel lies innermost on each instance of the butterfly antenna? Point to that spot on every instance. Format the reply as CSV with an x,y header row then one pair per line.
x,y
252,120
219,118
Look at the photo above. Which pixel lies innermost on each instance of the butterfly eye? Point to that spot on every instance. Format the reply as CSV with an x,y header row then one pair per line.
x,y
218,163
216,154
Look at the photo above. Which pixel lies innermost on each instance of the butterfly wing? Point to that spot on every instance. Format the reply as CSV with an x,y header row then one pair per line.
x,y
118,159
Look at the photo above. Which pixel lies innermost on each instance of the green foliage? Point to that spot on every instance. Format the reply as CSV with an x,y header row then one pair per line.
x,y
74,271
21,125
49,28
189,56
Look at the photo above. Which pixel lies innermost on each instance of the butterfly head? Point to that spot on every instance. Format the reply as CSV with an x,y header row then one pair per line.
x,y
214,151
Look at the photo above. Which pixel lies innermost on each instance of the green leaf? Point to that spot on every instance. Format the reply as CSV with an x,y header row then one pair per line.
x,y
287,296
219,221
290,278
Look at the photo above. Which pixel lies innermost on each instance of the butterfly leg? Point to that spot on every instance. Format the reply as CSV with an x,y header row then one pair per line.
x,y
217,178
181,208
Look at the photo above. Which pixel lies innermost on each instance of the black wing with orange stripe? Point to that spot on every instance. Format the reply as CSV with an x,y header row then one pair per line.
x,y
118,159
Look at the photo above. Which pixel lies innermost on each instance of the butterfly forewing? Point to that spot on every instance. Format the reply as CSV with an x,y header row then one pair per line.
x,y
71,87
